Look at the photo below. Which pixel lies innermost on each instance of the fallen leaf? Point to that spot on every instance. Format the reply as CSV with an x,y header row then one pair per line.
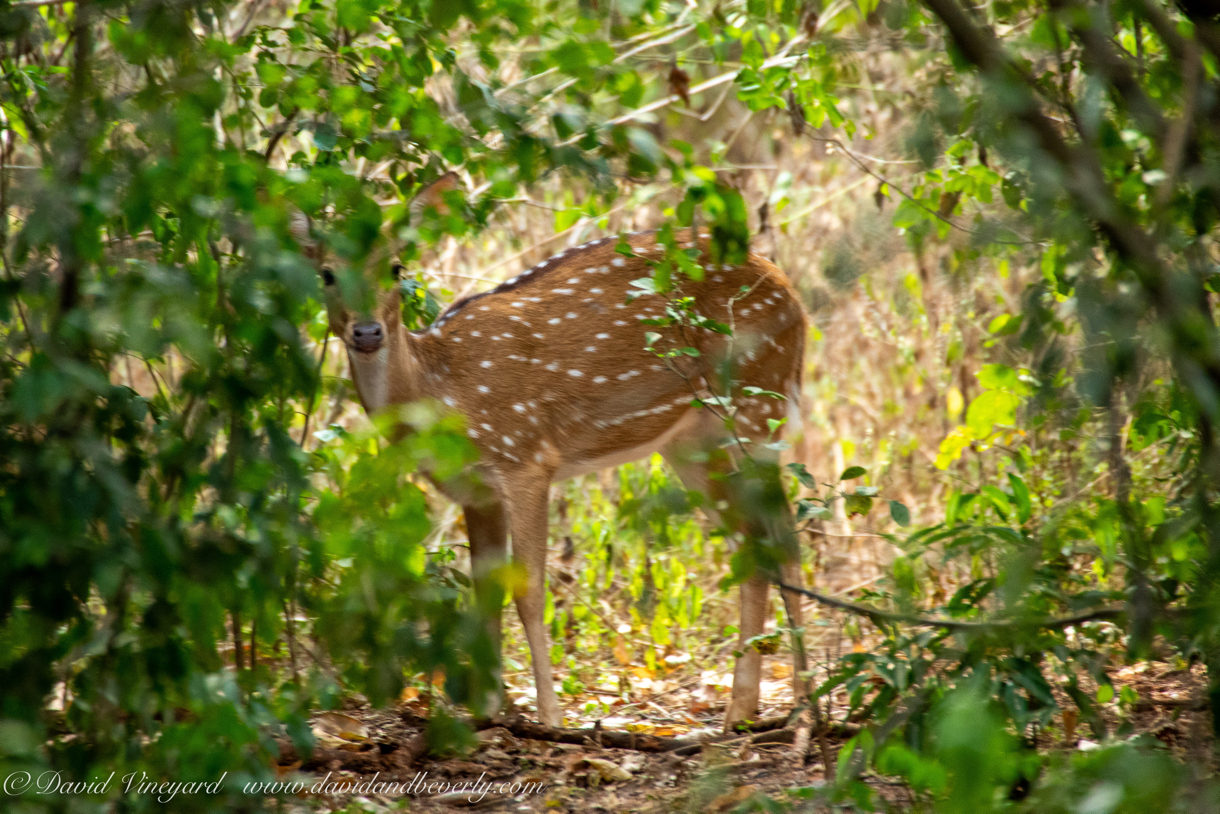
x,y
340,725
608,772
621,652
781,669
726,801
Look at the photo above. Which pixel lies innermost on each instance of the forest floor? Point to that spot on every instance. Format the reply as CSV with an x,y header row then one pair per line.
x,y
362,745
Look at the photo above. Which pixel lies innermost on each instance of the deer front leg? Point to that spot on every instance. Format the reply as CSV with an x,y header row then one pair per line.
x,y
529,531
748,672
488,532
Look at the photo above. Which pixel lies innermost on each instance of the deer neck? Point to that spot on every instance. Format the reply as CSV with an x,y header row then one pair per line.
x,y
387,376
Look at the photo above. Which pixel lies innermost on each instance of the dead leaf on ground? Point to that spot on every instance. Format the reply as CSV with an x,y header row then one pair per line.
x,y
726,801
337,725
621,652
604,771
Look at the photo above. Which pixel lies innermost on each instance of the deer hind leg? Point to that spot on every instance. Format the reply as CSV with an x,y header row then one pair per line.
x,y
703,468
528,521
487,527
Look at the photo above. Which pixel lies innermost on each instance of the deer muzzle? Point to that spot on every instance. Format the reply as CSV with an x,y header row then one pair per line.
x,y
368,337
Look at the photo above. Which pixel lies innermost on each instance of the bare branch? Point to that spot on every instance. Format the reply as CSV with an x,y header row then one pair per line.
x,y
882,618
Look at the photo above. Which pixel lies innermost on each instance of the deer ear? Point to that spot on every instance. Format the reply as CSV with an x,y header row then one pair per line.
x,y
299,228
433,195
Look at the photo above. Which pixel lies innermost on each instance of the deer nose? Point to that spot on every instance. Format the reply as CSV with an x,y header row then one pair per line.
x,y
367,336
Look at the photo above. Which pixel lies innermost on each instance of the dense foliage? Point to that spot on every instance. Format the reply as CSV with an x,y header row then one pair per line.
x,y
164,494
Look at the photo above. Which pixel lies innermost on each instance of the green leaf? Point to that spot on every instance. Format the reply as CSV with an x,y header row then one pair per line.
x,y
1000,377
900,513
802,474
806,509
852,472
857,505
990,408
758,391
564,218
1021,495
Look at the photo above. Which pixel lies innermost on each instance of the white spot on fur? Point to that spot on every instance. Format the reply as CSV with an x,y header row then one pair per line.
x,y
603,336
508,441
595,291
538,336
600,380
576,374
618,262
484,363
475,333
591,349
571,315
564,291
554,321
484,388
519,408
553,366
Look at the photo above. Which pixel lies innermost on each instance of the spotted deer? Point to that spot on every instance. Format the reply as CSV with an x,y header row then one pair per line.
x,y
551,374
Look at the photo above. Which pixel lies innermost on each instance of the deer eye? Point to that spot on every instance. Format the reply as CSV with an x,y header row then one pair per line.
x,y
328,277
397,271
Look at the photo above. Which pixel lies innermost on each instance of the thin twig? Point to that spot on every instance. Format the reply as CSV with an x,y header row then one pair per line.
x,y
715,82
880,617
314,393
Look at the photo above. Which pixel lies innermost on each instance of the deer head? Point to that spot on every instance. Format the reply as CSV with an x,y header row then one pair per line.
x,y
364,309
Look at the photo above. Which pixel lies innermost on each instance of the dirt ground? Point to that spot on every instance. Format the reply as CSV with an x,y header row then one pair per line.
x,y
503,771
